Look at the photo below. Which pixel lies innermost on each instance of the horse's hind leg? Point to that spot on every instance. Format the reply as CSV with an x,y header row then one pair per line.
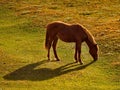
x,y
48,55
54,48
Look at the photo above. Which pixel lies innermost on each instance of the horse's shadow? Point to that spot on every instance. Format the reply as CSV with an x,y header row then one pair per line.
x,y
29,72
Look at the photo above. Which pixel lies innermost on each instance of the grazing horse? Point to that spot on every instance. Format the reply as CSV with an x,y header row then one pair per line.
x,y
70,33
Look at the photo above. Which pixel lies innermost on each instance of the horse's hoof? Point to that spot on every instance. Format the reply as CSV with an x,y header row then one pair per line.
x,y
81,63
58,60
48,60
76,61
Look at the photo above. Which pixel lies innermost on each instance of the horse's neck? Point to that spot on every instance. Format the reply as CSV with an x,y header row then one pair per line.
x,y
90,39
89,43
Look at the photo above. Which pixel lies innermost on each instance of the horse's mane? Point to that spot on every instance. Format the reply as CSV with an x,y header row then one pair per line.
x,y
90,36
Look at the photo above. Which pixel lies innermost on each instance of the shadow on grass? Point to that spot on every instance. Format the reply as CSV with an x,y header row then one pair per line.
x,y
29,72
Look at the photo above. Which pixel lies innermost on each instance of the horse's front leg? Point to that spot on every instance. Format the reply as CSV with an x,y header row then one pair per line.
x,y
54,48
79,52
75,56
48,55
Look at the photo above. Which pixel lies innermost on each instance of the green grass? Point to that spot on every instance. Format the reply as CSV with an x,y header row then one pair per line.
x,y
23,64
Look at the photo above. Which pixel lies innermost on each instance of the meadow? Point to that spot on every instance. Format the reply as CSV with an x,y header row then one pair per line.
x,y
23,61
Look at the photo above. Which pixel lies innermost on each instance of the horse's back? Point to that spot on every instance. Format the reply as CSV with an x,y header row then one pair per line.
x,y
57,25
67,32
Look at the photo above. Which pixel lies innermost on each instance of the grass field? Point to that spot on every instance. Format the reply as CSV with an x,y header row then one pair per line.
x,y
23,64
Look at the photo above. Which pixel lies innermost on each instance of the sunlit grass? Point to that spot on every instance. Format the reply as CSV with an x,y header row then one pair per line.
x,y
23,56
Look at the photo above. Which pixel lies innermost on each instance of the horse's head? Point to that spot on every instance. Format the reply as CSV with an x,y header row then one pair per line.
x,y
94,52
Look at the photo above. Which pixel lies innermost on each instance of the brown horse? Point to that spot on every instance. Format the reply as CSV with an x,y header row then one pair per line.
x,y
70,33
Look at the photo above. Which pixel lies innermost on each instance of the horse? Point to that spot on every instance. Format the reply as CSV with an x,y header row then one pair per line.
x,y
70,33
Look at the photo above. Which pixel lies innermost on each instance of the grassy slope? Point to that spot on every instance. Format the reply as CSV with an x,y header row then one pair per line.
x,y
23,58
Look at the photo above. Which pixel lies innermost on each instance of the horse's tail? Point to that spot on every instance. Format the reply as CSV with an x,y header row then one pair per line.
x,y
47,40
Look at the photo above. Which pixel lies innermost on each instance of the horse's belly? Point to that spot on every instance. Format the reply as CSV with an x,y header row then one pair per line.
x,y
66,38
